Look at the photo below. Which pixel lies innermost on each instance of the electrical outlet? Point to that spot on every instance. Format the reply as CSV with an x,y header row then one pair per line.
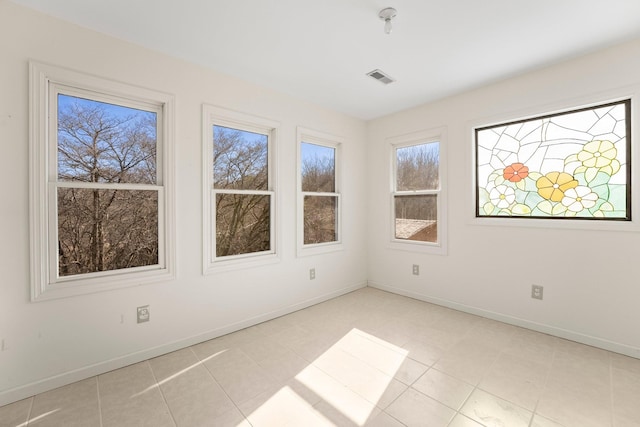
x,y
536,291
143,314
416,270
3,346
312,274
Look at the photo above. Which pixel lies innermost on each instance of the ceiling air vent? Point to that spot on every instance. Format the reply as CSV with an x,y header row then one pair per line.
x,y
380,76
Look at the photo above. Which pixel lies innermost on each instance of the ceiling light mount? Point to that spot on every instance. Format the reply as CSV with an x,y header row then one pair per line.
x,y
387,14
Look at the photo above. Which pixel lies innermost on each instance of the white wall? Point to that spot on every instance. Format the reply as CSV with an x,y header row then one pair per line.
x,y
50,343
590,277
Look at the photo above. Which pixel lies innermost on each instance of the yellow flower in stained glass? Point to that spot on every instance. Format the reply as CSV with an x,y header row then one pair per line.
x,y
553,185
597,154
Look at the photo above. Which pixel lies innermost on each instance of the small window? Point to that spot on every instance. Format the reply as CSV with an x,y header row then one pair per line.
x,y
319,190
416,195
241,196
102,184
319,195
570,165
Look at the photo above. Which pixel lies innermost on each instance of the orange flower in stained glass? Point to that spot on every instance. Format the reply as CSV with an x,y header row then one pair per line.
x,y
515,172
553,185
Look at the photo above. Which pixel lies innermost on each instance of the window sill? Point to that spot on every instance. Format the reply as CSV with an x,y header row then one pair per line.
x,y
78,287
558,223
319,248
236,263
418,247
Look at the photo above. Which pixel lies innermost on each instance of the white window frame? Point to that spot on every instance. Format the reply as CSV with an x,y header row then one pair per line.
x,y
437,135
326,140
46,81
217,116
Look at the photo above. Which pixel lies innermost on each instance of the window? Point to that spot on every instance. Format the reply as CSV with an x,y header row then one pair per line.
x,y
417,197
240,188
415,201
570,165
319,196
100,199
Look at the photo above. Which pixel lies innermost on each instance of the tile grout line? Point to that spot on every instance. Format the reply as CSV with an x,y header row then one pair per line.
x,y
458,411
610,358
33,398
484,375
546,381
164,398
391,416
432,367
99,400
219,385
398,397
476,386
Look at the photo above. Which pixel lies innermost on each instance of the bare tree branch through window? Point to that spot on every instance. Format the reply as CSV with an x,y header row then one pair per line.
x,y
104,224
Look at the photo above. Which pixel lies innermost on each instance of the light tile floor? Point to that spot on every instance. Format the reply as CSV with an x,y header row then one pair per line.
x,y
367,358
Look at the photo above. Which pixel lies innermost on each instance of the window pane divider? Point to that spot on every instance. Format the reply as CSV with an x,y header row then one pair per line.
x,y
314,193
248,192
415,192
106,185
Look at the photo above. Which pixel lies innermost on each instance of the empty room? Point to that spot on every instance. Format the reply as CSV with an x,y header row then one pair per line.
x,y
337,213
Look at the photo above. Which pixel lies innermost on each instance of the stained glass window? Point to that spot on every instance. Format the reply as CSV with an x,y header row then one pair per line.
x,y
569,165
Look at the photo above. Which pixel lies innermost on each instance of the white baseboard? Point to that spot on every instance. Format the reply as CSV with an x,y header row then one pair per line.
x,y
41,386
516,321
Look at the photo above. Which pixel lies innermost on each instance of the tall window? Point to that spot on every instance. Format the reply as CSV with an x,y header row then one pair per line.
x,y
240,218
242,194
417,188
571,165
101,184
106,186
319,195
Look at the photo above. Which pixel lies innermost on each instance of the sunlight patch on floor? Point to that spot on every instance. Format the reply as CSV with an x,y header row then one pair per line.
x,y
177,374
286,407
350,378
38,418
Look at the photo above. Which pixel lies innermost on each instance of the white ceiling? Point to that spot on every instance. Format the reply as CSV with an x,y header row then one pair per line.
x,y
320,50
